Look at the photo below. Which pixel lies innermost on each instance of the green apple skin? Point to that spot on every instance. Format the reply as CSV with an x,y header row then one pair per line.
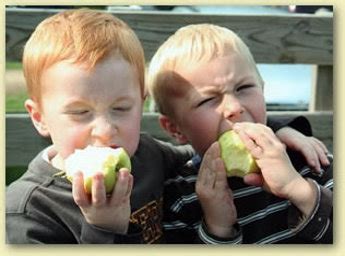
x,y
109,173
124,160
110,168
237,159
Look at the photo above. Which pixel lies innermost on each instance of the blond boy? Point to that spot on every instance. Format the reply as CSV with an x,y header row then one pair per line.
x,y
205,81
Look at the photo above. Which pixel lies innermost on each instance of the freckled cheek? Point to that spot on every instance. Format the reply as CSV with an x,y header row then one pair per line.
x,y
72,139
256,107
131,140
130,134
260,112
203,131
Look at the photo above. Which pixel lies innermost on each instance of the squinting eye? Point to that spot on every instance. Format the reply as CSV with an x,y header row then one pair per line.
x,y
79,112
243,87
121,109
205,101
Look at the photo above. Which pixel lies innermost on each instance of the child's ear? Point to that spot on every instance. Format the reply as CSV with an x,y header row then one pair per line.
x,y
36,117
169,126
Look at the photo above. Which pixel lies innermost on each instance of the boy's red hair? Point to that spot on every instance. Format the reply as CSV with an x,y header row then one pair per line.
x,y
84,36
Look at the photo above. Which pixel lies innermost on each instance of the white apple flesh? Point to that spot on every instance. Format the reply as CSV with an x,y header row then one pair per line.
x,y
97,159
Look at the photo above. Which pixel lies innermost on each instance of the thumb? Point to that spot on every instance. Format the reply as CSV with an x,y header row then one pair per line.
x,y
254,179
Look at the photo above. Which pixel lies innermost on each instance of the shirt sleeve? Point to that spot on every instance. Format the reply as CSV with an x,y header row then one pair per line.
x,y
28,229
299,123
91,234
318,226
208,238
175,157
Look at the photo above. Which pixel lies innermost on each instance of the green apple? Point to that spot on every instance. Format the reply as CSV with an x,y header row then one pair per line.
x,y
237,159
97,159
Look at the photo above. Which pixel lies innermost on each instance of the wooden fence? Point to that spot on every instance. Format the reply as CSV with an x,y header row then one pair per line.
x,y
273,39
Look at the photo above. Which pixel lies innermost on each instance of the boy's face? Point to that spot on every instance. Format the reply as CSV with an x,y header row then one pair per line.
x,y
101,108
224,89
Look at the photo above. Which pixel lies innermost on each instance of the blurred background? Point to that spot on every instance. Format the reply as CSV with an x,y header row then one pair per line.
x,y
282,81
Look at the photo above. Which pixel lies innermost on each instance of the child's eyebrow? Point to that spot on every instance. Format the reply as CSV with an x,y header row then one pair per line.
x,y
237,80
245,78
123,98
221,87
209,90
214,89
85,100
74,103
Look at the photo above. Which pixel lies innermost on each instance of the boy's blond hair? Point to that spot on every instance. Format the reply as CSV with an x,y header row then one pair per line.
x,y
84,36
189,46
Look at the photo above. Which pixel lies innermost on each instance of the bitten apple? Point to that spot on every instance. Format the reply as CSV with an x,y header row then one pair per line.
x,y
97,159
237,159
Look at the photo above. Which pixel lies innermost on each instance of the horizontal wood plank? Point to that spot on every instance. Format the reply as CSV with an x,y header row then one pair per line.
x,y
271,38
23,142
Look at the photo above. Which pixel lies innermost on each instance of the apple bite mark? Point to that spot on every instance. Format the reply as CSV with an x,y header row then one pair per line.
x,y
92,159
237,159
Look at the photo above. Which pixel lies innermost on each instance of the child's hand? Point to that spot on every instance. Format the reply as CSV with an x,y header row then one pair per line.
x,y
277,172
111,212
311,148
214,194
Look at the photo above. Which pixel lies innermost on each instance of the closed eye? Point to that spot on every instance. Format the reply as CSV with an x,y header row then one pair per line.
x,y
78,112
204,101
246,86
121,109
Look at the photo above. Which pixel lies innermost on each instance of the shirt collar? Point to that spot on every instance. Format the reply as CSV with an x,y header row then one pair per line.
x,y
196,161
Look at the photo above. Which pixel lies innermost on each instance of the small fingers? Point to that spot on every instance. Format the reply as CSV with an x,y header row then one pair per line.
x,y
221,177
320,144
123,186
315,154
129,186
98,194
321,151
206,175
78,191
253,179
255,137
312,158
250,144
208,179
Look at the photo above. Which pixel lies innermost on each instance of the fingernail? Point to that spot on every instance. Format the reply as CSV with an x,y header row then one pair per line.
x,y
327,161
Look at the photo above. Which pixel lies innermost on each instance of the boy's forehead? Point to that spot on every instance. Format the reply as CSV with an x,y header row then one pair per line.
x,y
72,68
218,70
183,81
212,75
176,84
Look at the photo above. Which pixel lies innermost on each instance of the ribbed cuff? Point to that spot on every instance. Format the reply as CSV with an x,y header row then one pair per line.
x,y
318,223
208,238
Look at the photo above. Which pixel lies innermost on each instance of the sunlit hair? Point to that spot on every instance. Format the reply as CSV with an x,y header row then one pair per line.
x,y
83,36
189,46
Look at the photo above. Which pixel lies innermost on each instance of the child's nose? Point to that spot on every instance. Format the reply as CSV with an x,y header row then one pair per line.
x,y
103,130
232,108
